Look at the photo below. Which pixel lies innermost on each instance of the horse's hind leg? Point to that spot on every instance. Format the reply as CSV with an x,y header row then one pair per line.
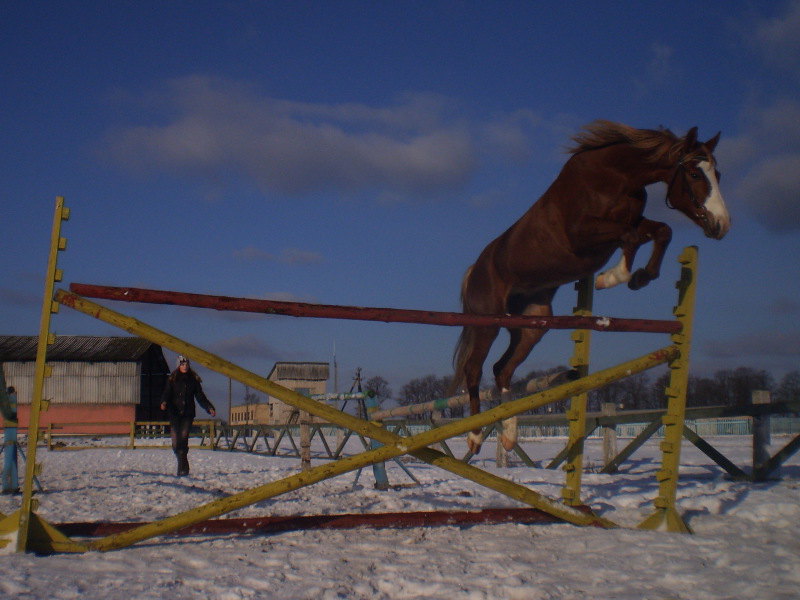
x,y
482,340
520,346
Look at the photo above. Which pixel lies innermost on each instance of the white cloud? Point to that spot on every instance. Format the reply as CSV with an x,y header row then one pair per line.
x,y
771,192
778,38
765,163
659,71
220,130
512,134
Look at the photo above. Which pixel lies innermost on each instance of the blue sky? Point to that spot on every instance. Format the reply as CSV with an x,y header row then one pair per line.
x,y
365,152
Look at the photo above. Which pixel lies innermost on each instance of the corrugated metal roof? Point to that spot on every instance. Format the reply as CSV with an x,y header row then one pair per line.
x,y
302,371
74,348
79,382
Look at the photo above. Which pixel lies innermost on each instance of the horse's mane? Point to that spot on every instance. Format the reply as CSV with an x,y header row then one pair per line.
x,y
600,134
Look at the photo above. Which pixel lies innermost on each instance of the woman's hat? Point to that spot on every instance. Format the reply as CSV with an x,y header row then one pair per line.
x,y
181,360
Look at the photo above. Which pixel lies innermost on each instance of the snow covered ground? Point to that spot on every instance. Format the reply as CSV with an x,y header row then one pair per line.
x,y
746,541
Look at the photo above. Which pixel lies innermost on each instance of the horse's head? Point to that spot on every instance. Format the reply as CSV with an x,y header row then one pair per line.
x,y
693,185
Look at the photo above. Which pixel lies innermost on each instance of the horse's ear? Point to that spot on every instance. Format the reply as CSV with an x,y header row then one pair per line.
x,y
691,138
712,143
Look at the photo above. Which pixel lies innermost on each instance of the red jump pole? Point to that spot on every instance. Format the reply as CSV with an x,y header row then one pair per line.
x,y
360,313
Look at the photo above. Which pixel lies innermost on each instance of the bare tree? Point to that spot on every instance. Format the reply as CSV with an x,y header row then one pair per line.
x,y
380,386
789,388
728,387
737,385
424,389
250,397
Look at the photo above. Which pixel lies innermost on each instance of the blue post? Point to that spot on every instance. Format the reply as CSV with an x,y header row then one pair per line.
x,y
8,403
378,469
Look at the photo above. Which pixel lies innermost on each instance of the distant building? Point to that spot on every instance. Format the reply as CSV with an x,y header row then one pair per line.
x,y
94,380
253,413
307,378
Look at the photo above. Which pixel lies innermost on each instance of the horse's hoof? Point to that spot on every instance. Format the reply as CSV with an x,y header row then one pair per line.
x,y
639,279
508,436
507,442
474,442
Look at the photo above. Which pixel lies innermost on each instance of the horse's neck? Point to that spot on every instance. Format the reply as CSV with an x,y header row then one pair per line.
x,y
621,164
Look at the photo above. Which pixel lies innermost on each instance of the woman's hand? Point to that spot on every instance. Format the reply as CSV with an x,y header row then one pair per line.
x,y
163,406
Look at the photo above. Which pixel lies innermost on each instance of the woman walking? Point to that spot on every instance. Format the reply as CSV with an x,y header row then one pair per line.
x,y
183,388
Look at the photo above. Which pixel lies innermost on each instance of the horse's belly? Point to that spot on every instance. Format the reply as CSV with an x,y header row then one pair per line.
x,y
559,272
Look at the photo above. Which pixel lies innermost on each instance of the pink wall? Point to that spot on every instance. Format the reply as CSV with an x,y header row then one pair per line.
x,y
96,413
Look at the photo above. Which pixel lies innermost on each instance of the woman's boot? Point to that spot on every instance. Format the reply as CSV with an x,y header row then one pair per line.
x,y
183,463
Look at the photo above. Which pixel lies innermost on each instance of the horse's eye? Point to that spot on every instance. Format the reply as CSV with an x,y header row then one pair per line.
x,y
694,175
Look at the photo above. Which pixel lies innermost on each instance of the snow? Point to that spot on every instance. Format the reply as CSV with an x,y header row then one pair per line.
x,y
745,542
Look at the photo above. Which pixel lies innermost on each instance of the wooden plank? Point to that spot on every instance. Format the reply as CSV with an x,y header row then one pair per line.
x,y
276,524
714,454
780,457
633,446
361,313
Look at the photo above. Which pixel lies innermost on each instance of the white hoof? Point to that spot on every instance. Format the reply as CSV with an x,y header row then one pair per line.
x,y
474,442
612,277
508,438
601,282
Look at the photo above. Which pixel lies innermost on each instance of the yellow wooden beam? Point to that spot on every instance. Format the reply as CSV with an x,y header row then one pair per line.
x,y
576,415
666,515
25,520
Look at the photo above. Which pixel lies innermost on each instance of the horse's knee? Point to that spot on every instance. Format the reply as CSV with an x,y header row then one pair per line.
x,y
503,383
501,376
663,234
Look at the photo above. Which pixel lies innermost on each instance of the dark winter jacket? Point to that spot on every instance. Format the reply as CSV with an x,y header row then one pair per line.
x,y
180,393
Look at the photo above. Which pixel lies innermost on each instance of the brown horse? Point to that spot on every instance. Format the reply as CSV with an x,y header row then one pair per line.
x,y
594,206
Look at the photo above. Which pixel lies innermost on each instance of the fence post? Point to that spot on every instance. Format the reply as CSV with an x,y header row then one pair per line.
x,y
378,469
32,531
609,409
133,435
761,437
666,515
501,455
8,405
305,441
576,415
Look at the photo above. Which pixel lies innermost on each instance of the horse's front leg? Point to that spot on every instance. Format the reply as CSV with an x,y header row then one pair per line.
x,y
660,234
480,342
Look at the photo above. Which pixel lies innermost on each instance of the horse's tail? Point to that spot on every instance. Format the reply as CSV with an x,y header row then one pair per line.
x,y
465,342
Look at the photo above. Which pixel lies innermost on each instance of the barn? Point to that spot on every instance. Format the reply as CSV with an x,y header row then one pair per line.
x,y
94,380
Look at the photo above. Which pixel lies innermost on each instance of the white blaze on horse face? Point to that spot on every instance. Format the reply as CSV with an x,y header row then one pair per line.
x,y
714,203
611,277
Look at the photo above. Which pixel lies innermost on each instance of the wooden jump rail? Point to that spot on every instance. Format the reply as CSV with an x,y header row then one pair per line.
x,y
535,385
360,313
134,429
